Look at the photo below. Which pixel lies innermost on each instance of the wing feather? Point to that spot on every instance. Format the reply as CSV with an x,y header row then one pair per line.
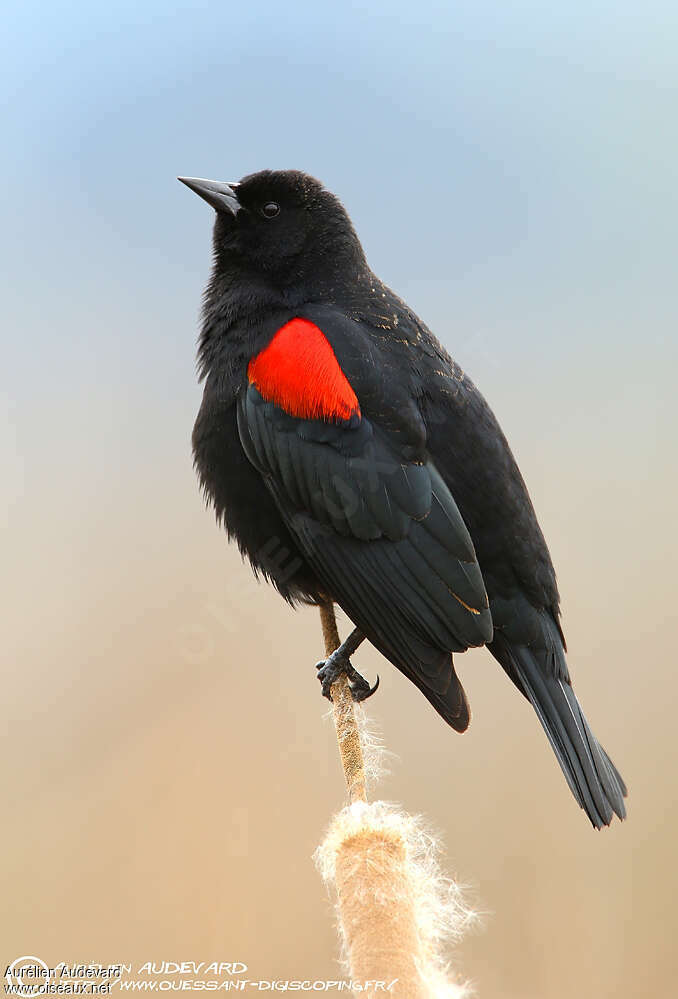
x,y
382,533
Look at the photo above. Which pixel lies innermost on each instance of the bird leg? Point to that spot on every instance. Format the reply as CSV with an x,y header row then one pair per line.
x,y
330,669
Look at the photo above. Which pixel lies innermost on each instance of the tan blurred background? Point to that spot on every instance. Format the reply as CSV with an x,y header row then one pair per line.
x,y
167,769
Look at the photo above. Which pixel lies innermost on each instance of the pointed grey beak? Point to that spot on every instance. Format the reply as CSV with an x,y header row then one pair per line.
x,y
221,197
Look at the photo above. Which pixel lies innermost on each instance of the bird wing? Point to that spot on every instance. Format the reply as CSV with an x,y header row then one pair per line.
x,y
473,457
370,512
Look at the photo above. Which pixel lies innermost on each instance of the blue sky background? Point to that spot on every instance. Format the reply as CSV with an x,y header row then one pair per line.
x,y
510,168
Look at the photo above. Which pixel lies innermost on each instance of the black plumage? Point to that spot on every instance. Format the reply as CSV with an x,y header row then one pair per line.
x,y
410,513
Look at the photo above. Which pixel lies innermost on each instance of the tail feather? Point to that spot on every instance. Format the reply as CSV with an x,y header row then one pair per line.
x,y
591,775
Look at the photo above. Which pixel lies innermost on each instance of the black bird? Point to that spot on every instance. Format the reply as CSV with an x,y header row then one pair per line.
x,y
353,461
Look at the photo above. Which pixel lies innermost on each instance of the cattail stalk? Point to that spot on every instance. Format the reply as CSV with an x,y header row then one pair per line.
x,y
345,721
394,907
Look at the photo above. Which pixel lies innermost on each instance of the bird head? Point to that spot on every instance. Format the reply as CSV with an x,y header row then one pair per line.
x,y
284,227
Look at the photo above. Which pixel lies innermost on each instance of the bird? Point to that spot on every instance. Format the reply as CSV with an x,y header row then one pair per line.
x,y
355,463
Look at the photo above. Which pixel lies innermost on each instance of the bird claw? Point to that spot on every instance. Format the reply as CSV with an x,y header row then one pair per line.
x,y
360,688
329,671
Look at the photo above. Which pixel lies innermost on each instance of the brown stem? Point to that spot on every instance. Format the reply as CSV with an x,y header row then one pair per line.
x,y
345,722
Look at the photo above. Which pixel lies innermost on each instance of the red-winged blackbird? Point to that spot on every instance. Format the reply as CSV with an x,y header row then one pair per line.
x,y
352,460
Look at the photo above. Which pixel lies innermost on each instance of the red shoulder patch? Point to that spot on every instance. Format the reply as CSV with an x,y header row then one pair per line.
x,y
299,372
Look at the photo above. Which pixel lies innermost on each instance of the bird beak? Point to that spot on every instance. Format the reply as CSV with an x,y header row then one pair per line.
x,y
221,197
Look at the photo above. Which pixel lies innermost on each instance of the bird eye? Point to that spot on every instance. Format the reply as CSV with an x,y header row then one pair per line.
x,y
270,210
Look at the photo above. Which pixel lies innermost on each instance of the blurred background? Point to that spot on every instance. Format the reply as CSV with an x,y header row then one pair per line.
x,y
167,766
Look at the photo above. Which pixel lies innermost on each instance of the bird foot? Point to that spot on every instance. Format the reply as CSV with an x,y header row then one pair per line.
x,y
330,669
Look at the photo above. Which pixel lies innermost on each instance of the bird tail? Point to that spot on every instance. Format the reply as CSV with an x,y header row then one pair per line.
x,y
593,778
